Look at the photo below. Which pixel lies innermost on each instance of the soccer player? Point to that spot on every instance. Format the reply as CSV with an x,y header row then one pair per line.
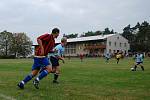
x,y
139,61
58,55
46,43
118,56
81,57
107,57
55,56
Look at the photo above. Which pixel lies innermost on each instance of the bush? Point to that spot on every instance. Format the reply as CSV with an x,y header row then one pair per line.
x,y
8,57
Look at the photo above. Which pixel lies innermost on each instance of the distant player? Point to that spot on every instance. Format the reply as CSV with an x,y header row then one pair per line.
x,y
139,57
118,57
69,57
107,57
81,57
46,43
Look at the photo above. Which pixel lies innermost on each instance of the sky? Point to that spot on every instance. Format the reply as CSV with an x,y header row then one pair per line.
x,y
35,17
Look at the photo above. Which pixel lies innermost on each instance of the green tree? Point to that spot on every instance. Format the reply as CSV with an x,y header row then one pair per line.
x,y
91,33
112,32
5,43
143,37
98,33
106,31
70,35
138,36
128,34
22,45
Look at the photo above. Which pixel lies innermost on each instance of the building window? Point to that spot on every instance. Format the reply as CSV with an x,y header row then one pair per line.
x,y
70,49
118,37
115,44
109,43
109,50
120,44
102,42
125,45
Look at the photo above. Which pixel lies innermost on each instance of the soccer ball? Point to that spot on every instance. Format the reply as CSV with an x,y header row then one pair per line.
x,y
132,69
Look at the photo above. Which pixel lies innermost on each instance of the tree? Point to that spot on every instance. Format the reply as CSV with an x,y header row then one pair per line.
x,y
143,37
98,33
128,34
90,33
138,36
5,43
112,32
106,31
22,45
70,35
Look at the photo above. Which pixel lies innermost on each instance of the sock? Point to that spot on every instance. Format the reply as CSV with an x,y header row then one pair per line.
x,y
42,69
56,76
42,75
142,68
52,72
27,78
135,67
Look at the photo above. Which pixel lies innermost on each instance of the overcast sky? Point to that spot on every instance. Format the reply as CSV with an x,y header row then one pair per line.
x,y
72,16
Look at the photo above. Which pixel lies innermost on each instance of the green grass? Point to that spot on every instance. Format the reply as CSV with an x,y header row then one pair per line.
x,y
92,79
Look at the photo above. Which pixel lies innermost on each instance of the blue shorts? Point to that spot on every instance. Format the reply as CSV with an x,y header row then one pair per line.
x,y
39,63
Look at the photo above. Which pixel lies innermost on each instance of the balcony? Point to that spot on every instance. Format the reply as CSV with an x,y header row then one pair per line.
x,y
102,46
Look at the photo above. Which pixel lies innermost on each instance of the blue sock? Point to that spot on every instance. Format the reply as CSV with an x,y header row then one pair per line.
x,y
42,75
27,78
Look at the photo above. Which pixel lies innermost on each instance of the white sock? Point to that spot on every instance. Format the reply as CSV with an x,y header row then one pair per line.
x,y
22,82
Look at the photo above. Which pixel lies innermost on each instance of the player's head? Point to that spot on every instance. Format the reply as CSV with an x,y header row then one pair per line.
x,y
64,41
55,32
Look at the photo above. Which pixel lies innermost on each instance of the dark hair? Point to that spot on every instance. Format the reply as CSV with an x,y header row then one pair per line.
x,y
55,31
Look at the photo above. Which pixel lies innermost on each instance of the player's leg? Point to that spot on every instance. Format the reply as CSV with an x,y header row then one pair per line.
x,y
35,70
56,74
135,66
44,73
142,67
43,68
117,60
27,78
107,60
55,63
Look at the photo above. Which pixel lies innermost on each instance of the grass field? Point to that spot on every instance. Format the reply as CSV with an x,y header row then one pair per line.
x,y
92,79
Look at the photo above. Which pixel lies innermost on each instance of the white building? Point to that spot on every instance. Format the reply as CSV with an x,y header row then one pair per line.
x,y
97,45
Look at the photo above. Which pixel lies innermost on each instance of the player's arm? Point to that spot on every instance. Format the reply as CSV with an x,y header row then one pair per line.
x,y
41,46
134,57
60,56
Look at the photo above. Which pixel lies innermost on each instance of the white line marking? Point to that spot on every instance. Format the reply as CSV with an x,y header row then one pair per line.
x,y
6,97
